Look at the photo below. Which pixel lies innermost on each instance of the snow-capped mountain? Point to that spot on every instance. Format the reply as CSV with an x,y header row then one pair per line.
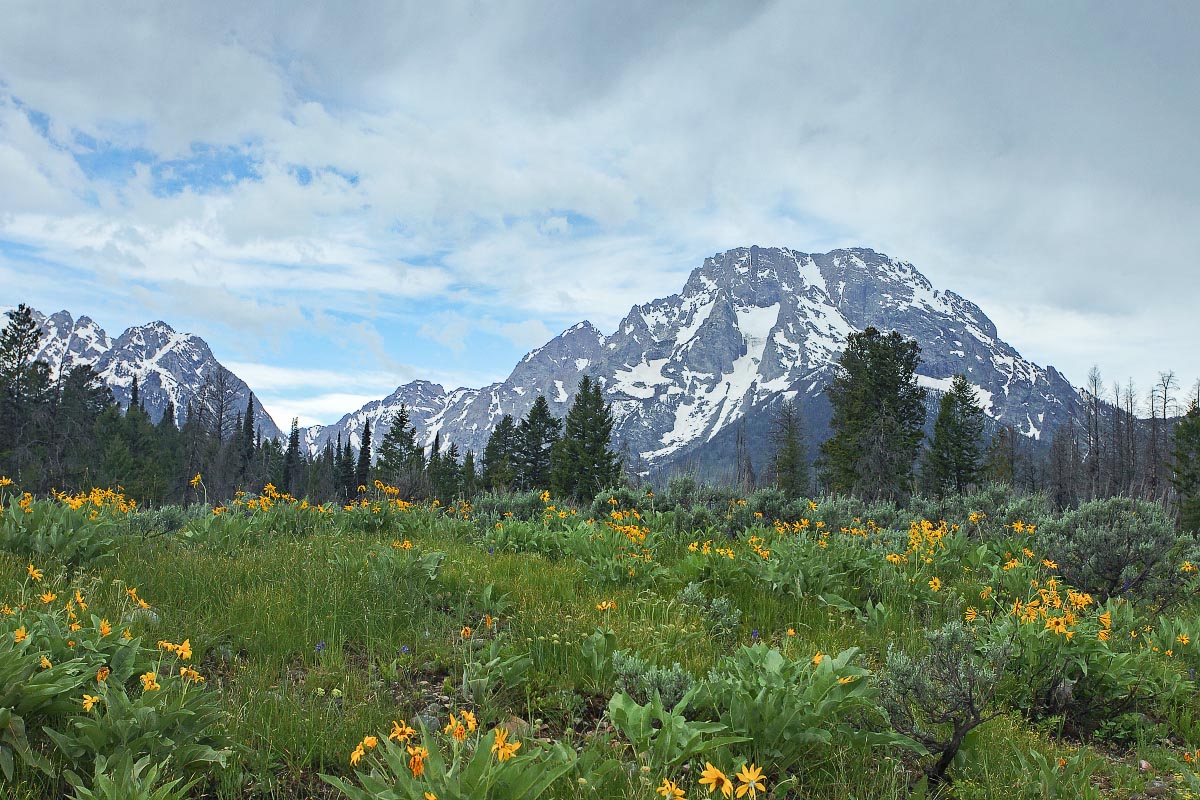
x,y
750,327
170,367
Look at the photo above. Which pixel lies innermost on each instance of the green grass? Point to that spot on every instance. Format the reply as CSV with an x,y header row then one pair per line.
x,y
309,654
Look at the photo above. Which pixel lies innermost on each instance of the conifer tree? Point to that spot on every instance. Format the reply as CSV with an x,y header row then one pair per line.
x,y
293,463
401,460
1186,467
501,456
952,463
362,471
878,412
583,462
537,434
790,462
24,393
469,483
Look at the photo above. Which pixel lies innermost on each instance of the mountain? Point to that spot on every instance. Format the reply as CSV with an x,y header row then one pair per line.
x,y
750,327
170,367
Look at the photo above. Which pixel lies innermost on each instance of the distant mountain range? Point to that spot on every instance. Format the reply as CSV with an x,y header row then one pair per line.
x,y
170,367
751,327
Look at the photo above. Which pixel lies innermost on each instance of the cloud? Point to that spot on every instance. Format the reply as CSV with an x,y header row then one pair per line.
x,y
410,180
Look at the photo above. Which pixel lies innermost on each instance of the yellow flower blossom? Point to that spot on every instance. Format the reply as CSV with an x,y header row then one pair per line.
x,y
669,790
89,702
751,781
715,780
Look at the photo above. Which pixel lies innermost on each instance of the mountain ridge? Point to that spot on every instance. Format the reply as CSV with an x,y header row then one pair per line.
x,y
751,326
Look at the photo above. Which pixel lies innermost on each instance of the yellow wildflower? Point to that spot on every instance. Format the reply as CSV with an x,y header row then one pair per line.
x,y
669,790
89,702
751,780
715,780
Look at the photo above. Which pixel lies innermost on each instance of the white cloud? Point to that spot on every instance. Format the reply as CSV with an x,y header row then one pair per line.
x,y
519,168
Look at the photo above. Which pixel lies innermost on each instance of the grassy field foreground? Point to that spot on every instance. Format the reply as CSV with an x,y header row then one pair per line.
x,y
634,648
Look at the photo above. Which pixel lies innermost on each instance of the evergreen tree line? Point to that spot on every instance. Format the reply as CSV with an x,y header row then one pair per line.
x,y
878,451
66,432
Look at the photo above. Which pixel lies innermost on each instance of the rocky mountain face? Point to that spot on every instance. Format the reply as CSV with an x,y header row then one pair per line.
x,y
751,327
170,367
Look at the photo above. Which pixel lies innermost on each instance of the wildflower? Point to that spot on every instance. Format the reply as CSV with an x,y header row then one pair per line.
x,y
401,732
607,605
818,658
715,780
48,597
752,783
455,729
357,755
1057,624
1106,619
1188,566
79,601
935,584
19,635
34,573
189,674
1103,634
89,702
430,796
469,720
75,626
102,674
1183,638
502,747
105,628
195,481
7,611
847,679
985,593
1048,564
126,634
971,614
150,682
370,742
791,631
669,790
416,761
46,663
465,632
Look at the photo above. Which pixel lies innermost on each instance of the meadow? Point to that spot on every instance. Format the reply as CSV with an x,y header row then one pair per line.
x,y
697,644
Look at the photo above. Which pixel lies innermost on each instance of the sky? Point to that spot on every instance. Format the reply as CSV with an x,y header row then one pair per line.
x,y
342,197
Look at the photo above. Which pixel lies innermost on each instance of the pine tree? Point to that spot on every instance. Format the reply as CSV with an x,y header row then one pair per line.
x,y
1186,467
362,471
537,434
878,412
401,460
293,462
24,394
790,462
470,476
501,455
952,463
583,462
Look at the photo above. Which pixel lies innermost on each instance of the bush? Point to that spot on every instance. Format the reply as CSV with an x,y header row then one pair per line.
x,y
940,697
1118,547
641,680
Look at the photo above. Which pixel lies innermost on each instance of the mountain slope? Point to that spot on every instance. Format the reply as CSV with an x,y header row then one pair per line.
x,y
170,367
751,326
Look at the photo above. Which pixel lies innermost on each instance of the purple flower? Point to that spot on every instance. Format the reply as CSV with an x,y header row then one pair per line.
x,y
404,649
320,646
754,633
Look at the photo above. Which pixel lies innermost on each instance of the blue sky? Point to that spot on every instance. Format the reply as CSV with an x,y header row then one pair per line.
x,y
341,198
